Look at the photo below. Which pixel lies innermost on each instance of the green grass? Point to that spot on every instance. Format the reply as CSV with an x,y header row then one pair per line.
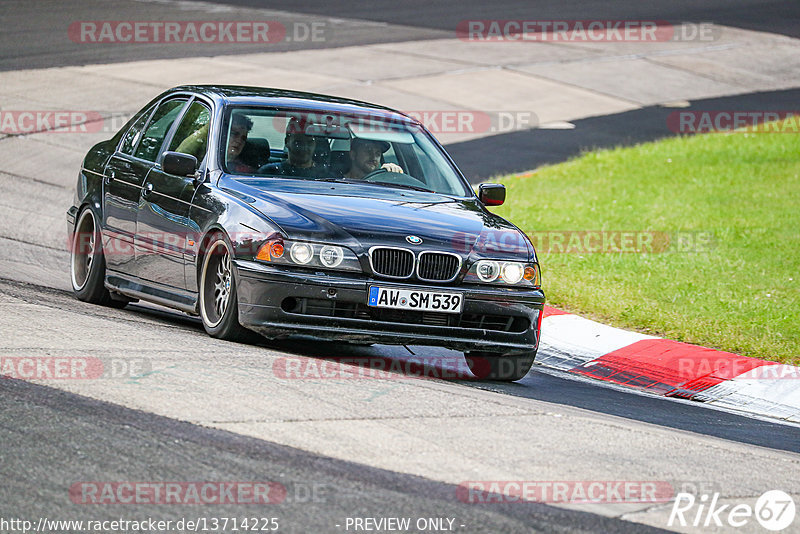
x,y
741,294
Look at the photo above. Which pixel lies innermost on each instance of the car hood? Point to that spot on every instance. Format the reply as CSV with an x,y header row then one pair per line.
x,y
362,216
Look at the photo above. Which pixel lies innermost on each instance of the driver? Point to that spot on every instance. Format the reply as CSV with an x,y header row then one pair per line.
x,y
365,157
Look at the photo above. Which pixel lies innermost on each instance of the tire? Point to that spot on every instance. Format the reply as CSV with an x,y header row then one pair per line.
x,y
219,306
87,262
501,367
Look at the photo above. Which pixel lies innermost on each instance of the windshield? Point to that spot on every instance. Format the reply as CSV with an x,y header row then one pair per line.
x,y
359,148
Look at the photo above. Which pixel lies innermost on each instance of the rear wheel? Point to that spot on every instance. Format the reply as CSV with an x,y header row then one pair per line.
x,y
219,307
87,262
502,367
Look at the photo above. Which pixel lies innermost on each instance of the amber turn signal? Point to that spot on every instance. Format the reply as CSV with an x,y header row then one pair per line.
x,y
269,250
530,273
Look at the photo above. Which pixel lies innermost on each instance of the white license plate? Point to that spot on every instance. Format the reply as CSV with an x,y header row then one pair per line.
x,y
415,299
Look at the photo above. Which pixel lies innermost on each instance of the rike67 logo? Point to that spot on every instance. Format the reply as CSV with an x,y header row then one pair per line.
x,y
774,510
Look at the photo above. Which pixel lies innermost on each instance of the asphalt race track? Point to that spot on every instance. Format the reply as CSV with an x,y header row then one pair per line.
x,y
218,395
390,21
78,438
207,410
528,149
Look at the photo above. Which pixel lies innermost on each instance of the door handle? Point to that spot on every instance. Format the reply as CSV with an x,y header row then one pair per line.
x,y
148,188
107,179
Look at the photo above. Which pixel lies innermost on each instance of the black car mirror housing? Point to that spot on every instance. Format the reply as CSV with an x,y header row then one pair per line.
x,y
179,164
492,194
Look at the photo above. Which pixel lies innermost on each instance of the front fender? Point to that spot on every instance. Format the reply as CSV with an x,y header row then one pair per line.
x,y
215,210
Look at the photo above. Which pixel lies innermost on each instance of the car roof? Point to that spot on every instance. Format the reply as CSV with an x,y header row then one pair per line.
x,y
255,96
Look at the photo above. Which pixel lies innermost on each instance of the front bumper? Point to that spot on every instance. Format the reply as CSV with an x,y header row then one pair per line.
x,y
277,302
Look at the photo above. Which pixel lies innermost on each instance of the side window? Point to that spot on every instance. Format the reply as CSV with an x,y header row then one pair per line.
x,y
191,136
389,156
160,124
133,134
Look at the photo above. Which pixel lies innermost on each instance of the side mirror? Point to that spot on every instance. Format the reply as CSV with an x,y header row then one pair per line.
x,y
492,194
179,164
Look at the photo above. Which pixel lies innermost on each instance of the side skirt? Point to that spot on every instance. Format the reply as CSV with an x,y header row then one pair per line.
x,y
133,287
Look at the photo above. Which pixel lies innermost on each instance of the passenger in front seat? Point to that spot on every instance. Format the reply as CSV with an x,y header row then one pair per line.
x,y
300,148
240,127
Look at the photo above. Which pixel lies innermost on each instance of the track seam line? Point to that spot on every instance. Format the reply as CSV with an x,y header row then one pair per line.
x,y
393,418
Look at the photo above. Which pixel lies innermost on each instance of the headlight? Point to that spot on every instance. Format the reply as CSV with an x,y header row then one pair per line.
x,y
488,271
504,273
311,255
301,253
512,272
331,256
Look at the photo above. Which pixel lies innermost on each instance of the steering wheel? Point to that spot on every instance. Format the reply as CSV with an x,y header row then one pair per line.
x,y
376,172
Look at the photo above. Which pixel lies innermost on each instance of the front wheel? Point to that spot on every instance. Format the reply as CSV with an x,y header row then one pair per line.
x,y
501,367
219,307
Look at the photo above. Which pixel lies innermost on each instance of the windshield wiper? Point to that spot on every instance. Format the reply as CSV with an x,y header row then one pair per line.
x,y
339,180
364,182
403,186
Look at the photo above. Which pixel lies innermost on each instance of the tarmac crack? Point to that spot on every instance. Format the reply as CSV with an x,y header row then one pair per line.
x,y
36,180
65,305
22,241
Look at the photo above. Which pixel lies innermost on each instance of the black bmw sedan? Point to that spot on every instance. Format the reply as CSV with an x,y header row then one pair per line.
x,y
287,213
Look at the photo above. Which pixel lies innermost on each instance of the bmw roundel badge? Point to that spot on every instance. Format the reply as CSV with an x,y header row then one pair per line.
x,y
414,240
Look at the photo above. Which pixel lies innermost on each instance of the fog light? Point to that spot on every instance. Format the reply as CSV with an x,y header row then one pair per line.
x,y
512,273
331,256
301,253
488,271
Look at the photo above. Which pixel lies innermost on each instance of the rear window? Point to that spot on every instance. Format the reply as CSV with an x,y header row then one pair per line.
x,y
131,137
